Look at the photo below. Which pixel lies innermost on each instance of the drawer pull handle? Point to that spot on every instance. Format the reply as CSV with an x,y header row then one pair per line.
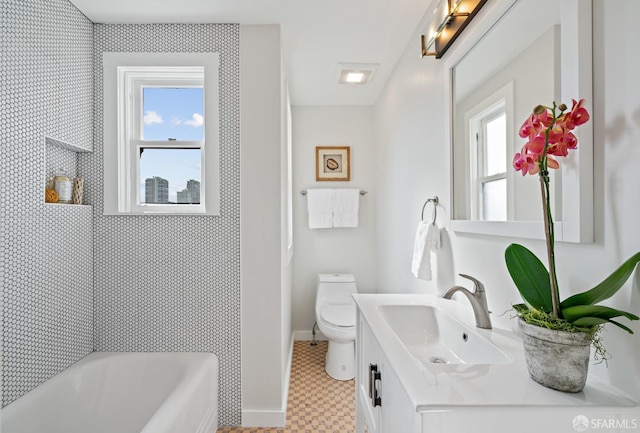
x,y
372,369
375,381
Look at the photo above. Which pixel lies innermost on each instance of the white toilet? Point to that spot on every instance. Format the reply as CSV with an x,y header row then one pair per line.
x,y
336,317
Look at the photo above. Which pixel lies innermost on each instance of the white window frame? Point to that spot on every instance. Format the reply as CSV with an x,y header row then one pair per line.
x,y
125,74
131,82
475,120
479,128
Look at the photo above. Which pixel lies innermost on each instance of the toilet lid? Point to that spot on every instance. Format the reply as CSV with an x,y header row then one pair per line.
x,y
339,315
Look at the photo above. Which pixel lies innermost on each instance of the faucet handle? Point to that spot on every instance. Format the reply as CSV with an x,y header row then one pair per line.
x,y
478,287
478,290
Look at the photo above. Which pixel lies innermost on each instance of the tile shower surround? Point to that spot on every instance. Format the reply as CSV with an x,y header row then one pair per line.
x,y
172,283
46,89
74,280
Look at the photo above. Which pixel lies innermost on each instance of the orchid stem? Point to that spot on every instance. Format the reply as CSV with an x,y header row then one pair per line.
x,y
548,220
550,237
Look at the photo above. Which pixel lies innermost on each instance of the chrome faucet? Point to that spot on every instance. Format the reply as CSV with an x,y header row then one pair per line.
x,y
478,299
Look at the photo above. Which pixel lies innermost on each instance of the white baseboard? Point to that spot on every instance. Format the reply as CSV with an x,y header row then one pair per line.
x,y
265,418
287,380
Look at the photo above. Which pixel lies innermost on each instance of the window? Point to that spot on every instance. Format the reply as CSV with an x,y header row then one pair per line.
x,y
489,152
166,122
491,160
166,109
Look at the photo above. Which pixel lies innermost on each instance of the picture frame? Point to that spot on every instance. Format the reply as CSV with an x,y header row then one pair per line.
x,y
333,163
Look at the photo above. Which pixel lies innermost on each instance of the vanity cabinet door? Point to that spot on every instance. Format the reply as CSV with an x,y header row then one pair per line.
x,y
397,413
368,369
382,406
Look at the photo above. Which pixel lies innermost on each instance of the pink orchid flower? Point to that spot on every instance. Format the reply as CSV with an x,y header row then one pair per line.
x,y
552,163
546,140
563,143
535,124
525,162
535,146
577,116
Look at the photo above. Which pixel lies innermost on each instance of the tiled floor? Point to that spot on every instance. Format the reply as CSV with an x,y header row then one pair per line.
x,y
317,403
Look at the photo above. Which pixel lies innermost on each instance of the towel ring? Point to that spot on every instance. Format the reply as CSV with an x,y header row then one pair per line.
x,y
435,202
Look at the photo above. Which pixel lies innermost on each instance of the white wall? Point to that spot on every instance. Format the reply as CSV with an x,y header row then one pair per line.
x,y
409,134
344,250
265,270
286,238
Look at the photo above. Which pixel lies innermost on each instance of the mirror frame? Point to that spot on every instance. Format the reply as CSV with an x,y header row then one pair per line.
x,y
576,82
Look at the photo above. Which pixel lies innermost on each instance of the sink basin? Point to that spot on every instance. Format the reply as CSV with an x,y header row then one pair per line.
x,y
434,337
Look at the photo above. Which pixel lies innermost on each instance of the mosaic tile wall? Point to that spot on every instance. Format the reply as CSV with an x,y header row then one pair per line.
x,y
46,89
172,283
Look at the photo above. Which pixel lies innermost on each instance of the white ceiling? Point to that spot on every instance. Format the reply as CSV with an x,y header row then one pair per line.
x,y
316,35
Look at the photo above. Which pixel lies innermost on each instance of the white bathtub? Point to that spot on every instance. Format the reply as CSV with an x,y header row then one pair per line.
x,y
123,393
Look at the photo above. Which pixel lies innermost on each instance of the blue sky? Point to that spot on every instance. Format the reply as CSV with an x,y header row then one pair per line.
x,y
172,113
175,113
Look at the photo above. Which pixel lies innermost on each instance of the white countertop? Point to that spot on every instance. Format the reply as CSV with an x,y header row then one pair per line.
x,y
439,387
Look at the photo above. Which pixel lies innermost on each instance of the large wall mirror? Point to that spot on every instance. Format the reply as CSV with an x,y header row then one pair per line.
x,y
521,54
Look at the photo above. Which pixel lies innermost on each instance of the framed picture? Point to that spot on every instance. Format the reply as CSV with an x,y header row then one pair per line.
x,y
332,163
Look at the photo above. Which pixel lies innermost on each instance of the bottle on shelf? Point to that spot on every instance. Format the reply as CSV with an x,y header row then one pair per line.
x,y
62,185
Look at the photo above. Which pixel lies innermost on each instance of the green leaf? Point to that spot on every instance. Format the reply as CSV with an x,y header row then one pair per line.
x,y
620,325
592,321
530,276
590,315
571,314
605,289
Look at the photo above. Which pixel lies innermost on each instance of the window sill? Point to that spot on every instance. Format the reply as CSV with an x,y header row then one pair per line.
x,y
152,213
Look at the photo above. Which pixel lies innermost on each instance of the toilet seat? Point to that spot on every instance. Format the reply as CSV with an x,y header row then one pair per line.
x,y
343,316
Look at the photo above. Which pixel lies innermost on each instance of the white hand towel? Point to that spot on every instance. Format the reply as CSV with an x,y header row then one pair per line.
x,y
433,237
346,206
320,207
421,264
427,240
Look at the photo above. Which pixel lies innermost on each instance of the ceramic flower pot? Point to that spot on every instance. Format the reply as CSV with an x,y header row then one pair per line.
x,y
556,359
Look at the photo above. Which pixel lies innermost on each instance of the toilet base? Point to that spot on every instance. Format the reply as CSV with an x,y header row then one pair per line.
x,y
341,360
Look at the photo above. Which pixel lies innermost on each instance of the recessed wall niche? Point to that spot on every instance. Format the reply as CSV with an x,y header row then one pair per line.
x,y
61,156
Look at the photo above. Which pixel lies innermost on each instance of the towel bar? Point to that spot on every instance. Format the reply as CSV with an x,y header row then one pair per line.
x,y
304,192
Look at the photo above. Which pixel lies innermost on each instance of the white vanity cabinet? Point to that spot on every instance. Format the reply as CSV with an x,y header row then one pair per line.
x,y
382,405
398,392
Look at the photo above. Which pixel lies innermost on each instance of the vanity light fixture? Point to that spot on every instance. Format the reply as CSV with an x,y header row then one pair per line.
x,y
450,19
356,73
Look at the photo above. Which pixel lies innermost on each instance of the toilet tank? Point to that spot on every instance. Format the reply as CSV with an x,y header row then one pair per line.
x,y
336,288
336,278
